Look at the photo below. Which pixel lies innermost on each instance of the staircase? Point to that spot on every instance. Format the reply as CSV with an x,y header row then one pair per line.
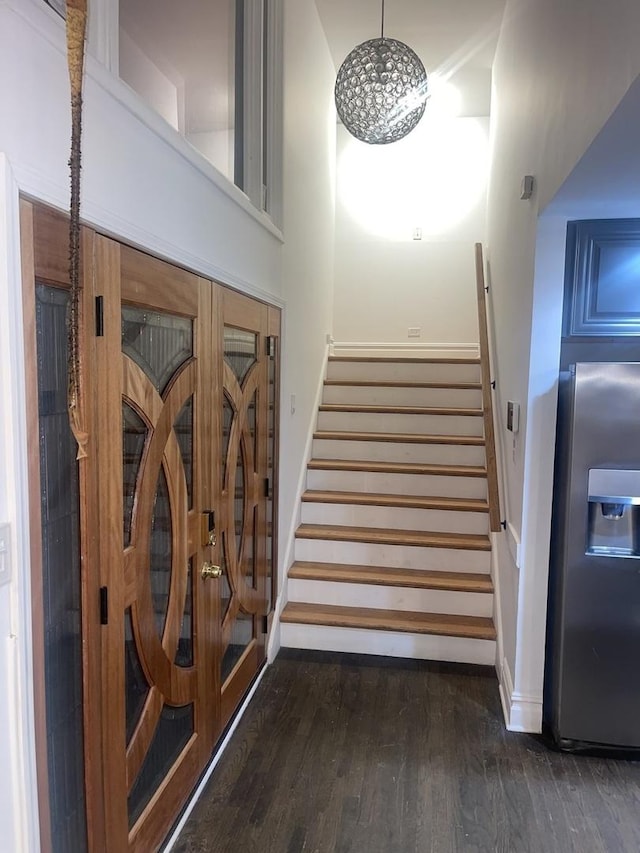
x,y
392,556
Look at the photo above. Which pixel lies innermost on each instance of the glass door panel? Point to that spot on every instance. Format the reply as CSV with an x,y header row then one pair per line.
x,y
243,492
60,514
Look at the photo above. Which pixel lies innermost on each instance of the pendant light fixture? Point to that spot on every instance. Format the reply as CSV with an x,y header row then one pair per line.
x,y
381,90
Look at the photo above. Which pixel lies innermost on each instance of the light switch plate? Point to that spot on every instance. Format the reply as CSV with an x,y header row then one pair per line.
x,y
5,554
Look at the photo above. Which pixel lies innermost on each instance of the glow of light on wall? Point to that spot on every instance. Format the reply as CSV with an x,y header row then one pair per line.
x,y
431,179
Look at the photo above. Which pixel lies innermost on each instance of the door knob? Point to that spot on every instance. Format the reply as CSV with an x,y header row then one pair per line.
x,y
210,571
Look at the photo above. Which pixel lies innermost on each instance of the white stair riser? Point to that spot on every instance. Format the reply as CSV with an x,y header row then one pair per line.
x,y
389,643
409,372
400,556
387,451
395,518
398,484
380,395
400,423
391,598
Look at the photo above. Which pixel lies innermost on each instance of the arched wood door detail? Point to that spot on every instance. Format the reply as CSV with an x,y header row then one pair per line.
x,y
159,631
156,619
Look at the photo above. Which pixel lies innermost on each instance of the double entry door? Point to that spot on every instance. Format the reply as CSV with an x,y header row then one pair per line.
x,y
178,554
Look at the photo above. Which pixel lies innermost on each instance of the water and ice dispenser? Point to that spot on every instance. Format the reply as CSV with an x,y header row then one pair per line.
x,y
614,512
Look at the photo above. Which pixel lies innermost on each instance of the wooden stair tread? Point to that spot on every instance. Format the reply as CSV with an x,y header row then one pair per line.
x,y
397,467
386,536
370,409
399,437
401,501
401,383
404,360
473,627
391,576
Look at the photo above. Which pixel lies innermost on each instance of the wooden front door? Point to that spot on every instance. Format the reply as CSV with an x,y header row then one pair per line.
x,y
160,692
176,510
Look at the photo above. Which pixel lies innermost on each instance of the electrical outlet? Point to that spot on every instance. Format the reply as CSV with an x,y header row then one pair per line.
x,y
414,332
5,554
417,233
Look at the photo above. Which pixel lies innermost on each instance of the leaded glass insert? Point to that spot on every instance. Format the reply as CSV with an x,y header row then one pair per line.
x,y
161,552
271,451
238,501
225,589
136,685
175,727
134,435
241,636
240,351
158,343
183,429
251,427
184,653
227,421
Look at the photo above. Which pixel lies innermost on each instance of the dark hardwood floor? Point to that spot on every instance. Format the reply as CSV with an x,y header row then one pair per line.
x,y
373,755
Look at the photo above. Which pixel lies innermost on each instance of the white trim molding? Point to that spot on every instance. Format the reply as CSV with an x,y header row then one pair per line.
x,y
522,713
18,647
402,349
289,544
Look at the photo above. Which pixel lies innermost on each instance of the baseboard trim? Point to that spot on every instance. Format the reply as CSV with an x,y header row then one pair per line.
x,y
521,713
400,349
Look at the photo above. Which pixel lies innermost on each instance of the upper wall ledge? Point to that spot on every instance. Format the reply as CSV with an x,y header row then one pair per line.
x,y
50,26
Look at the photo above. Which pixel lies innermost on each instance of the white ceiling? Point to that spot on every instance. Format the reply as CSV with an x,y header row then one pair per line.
x,y
455,39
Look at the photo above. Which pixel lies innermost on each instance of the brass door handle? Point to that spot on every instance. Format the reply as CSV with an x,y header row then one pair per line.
x,y
210,571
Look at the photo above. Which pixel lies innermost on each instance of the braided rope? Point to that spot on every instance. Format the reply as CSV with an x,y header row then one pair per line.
x,y
76,32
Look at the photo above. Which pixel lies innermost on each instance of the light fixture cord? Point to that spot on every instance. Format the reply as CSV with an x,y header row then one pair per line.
x,y
382,25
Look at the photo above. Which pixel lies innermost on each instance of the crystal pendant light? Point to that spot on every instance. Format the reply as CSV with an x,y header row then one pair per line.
x,y
381,90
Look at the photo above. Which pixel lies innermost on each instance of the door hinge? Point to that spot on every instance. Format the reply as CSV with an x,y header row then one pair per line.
x,y
267,487
271,345
104,606
99,316
265,624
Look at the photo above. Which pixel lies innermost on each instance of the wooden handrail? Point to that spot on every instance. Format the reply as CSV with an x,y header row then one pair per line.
x,y
487,401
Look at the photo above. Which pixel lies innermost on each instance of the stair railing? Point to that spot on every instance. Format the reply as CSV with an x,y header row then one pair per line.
x,y
487,397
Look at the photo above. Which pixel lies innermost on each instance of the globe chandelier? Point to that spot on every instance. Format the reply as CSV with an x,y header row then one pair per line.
x,y
381,90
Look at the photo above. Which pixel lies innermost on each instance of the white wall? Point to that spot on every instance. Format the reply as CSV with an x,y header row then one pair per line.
x,y
17,757
143,183
560,71
386,282
309,158
149,82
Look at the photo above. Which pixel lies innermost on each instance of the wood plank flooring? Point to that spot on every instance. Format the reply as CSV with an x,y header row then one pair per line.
x,y
350,754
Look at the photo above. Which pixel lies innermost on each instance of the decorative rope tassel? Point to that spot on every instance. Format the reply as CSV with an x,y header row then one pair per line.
x,y
76,32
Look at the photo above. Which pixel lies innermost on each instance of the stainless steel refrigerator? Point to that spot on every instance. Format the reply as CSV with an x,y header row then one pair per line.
x,y
592,684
